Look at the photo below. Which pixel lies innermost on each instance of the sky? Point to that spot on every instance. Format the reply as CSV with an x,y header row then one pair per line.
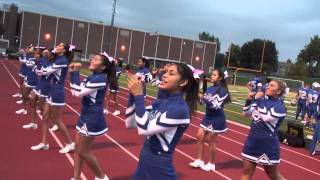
x,y
289,23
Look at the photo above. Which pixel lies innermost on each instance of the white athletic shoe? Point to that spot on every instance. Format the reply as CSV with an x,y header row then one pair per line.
x,y
209,167
116,113
54,128
16,95
105,178
67,148
19,102
313,153
30,126
197,163
105,111
21,111
40,146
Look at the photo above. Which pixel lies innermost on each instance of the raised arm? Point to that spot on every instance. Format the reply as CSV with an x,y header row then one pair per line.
x,y
83,89
249,105
150,123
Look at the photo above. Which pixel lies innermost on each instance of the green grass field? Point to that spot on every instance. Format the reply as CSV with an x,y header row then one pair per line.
x,y
232,110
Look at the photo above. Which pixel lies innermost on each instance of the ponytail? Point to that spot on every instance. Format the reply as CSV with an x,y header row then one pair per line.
x,y
223,84
191,89
146,62
110,70
68,53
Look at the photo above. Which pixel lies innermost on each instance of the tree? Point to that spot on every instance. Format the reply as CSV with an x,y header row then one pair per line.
x,y
251,56
234,59
311,56
205,36
220,61
299,70
289,61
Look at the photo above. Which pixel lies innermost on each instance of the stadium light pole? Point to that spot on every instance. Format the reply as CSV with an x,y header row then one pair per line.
x,y
156,33
114,3
262,56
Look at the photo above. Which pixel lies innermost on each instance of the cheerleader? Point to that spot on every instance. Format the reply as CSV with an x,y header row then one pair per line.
x,y
92,121
56,98
166,121
262,144
32,79
214,121
314,146
22,75
114,87
28,62
145,75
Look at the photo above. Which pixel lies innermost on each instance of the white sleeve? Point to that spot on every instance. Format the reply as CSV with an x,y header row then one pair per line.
x,y
159,124
248,108
80,91
49,71
153,128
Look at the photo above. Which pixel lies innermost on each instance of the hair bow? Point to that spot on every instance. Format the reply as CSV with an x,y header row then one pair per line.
x,y
226,75
196,72
41,47
105,54
54,50
71,47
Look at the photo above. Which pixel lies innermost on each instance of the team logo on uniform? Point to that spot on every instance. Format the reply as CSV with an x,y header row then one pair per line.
x,y
210,127
264,159
84,129
256,115
210,97
154,115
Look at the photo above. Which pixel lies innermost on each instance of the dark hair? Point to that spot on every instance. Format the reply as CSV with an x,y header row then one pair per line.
x,y
268,80
119,62
145,61
38,51
69,54
204,84
223,83
52,56
128,67
110,70
191,89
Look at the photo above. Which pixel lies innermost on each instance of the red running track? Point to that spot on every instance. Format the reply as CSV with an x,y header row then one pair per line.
x,y
118,150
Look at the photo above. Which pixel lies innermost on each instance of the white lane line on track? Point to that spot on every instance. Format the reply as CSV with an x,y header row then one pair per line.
x,y
52,133
247,127
239,142
131,154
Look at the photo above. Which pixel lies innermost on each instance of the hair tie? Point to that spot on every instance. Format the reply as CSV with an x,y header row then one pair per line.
x,y
196,72
71,47
226,74
105,54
